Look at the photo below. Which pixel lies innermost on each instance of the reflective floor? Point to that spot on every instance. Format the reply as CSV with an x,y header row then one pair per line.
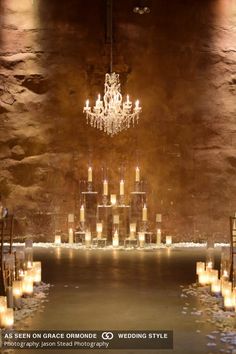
x,y
106,289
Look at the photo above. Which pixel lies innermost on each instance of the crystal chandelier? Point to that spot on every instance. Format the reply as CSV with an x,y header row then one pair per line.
x,y
111,114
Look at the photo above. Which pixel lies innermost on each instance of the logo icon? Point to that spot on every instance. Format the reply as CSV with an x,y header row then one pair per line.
x,y
107,335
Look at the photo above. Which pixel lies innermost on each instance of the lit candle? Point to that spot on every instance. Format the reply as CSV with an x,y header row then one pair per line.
x,y
132,229
98,102
17,288
8,318
200,267
3,307
209,265
158,236
144,213
226,287
99,229
115,240
137,105
105,187
203,278
71,235
137,174
82,219
90,174
168,241
229,301
116,219
141,239
213,275
57,240
113,199
122,187
88,238
216,287
27,286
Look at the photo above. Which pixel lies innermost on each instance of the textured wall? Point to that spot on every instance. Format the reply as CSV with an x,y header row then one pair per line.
x,y
180,60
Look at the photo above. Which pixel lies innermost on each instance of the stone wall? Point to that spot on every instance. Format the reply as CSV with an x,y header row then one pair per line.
x,y
180,60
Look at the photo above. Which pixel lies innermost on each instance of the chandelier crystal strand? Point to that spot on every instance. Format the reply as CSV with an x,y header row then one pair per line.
x,y
112,114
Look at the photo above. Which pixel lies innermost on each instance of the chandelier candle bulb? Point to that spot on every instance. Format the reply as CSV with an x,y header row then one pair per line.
x,y
86,108
137,174
82,218
113,199
122,187
200,267
90,174
8,319
144,214
105,187
168,241
57,240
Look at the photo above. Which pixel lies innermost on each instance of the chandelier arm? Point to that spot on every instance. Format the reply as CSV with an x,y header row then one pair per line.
x,y
111,35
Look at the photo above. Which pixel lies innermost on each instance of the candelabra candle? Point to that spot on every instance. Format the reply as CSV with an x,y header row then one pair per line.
x,y
90,174
57,240
137,174
144,214
168,241
200,267
113,199
216,287
122,187
105,187
7,320
82,218
99,229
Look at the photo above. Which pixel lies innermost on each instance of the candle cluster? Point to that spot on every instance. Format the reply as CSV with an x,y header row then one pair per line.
x,y
207,276
26,274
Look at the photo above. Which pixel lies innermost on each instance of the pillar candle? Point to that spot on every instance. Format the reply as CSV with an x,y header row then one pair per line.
x,y
105,187
122,187
144,212
137,174
71,235
82,213
90,174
